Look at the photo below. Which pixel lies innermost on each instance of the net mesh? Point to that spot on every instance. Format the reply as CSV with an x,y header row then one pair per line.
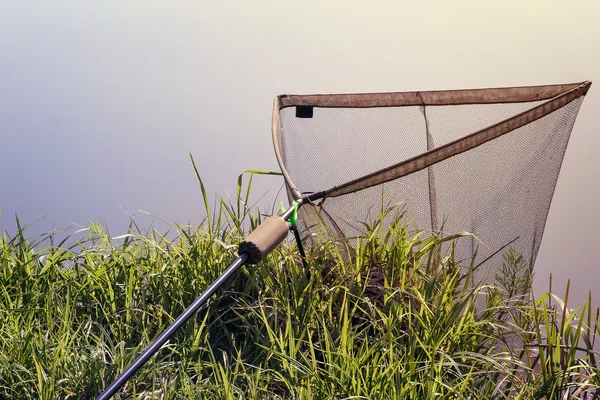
x,y
483,161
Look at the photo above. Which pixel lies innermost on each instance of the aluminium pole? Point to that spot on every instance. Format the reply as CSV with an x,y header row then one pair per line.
x,y
251,251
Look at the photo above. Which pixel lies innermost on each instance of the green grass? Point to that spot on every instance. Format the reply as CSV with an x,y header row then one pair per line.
x,y
395,320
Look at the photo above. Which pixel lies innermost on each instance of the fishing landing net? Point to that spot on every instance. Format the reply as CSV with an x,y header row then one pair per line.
x,y
484,161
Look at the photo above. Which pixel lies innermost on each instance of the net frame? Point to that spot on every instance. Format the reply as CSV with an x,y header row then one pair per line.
x,y
538,102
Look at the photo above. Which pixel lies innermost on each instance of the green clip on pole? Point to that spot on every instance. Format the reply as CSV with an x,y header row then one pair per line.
x,y
294,216
292,220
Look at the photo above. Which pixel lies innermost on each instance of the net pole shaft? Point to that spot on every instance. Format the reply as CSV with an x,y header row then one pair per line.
x,y
187,314
166,335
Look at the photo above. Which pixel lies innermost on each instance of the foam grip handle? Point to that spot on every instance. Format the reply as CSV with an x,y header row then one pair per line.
x,y
264,239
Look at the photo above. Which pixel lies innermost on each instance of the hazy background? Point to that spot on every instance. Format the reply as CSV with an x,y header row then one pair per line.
x,y
101,101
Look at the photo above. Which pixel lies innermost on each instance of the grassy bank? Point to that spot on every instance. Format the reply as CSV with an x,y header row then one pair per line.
x,y
397,319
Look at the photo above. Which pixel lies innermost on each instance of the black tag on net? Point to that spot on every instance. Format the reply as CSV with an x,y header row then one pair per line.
x,y
304,112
